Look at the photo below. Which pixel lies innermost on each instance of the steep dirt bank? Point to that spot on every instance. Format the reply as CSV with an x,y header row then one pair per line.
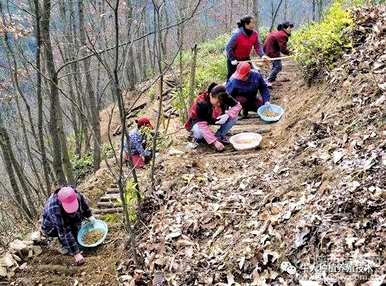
x,y
239,215
311,197
309,205
190,184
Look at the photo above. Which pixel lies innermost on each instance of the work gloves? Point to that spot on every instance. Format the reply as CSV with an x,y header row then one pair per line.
x,y
222,119
266,60
79,259
92,220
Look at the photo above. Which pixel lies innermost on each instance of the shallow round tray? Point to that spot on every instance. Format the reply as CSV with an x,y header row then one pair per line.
x,y
251,140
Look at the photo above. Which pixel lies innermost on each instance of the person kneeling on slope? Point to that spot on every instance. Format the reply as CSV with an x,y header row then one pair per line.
x,y
140,155
244,85
62,217
214,106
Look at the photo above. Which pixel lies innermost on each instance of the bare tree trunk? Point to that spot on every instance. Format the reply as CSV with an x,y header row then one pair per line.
x,y
154,47
256,12
13,167
54,94
138,57
313,10
320,9
192,75
68,52
274,15
180,39
158,51
226,16
76,76
94,112
65,155
131,66
45,165
166,34
15,81
118,95
151,57
144,57
285,10
144,60
230,14
11,174
28,151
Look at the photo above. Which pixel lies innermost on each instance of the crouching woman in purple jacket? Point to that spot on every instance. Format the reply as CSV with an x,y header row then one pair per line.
x,y
245,85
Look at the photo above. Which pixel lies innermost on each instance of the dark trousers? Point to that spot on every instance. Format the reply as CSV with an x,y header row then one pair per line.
x,y
231,69
249,102
277,67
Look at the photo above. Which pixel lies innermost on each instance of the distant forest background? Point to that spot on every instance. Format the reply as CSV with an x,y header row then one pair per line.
x,y
63,61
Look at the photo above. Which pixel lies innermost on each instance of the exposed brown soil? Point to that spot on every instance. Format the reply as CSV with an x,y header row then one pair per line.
x,y
313,190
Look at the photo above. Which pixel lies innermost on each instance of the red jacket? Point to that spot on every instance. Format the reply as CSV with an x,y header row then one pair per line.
x,y
240,45
276,43
202,110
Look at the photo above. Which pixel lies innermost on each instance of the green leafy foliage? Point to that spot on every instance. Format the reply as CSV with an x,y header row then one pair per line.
x,y
107,151
152,92
163,141
132,197
263,32
111,218
82,166
318,46
210,67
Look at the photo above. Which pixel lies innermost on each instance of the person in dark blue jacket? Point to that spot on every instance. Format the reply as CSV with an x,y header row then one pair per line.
x,y
244,86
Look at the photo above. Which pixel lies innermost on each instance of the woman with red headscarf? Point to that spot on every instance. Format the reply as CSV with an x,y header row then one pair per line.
x,y
140,155
244,85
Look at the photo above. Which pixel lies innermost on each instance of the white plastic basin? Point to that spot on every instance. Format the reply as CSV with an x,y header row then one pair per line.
x,y
246,140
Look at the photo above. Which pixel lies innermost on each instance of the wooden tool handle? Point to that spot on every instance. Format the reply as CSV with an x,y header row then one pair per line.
x,y
270,59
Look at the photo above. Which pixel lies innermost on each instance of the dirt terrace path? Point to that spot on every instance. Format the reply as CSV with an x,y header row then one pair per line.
x,y
212,216
197,175
289,82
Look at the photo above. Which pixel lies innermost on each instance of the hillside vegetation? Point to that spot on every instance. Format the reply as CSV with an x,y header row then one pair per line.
x,y
305,208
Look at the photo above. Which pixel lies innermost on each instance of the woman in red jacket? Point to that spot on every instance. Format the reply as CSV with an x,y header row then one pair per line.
x,y
214,106
276,44
241,43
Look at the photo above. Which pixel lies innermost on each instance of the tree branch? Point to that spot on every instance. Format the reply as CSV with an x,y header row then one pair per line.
x,y
131,41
